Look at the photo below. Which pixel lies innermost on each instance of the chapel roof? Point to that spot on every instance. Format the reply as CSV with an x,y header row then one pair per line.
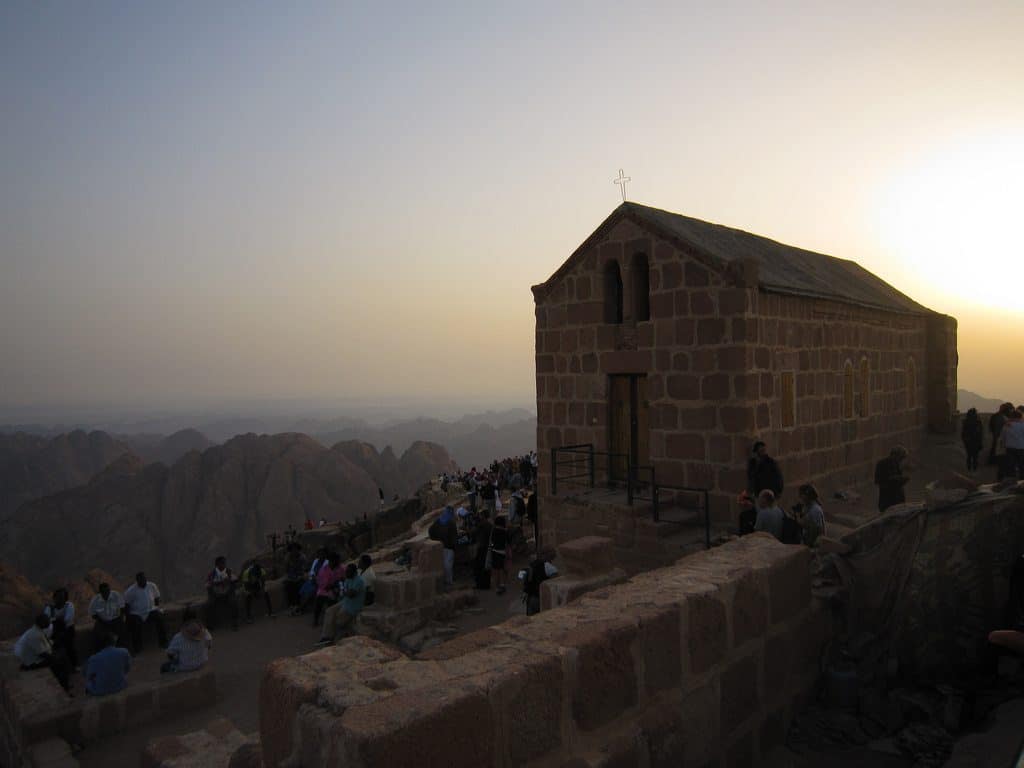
x,y
781,268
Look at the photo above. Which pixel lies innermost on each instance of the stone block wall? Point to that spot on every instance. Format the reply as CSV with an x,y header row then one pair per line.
x,y
721,356
699,663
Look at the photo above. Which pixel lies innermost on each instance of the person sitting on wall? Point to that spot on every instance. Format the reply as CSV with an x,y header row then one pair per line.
x,y
143,601
106,671
366,573
769,514
35,651
890,479
189,649
220,592
748,513
254,580
763,472
338,617
809,515
61,613
327,579
540,570
107,611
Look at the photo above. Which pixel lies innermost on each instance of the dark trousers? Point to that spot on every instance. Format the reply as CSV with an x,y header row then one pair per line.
x,y
249,595
102,627
972,459
135,624
1015,463
63,637
217,605
322,601
58,664
291,591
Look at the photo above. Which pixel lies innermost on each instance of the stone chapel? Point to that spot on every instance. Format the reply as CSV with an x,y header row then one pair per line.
x,y
678,343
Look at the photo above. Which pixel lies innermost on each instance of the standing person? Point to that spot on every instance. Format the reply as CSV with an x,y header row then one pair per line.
x,y
220,592
995,427
481,568
327,579
380,493
489,493
107,611
531,515
35,651
61,613
143,601
446,531
810,515
352,594
890,479
499,542
294,574
1013,439
769,514
106,671
254,580
973,435
763,472
471,492
189,650
369,577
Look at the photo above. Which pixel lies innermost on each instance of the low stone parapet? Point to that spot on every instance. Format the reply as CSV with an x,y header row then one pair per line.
x,y
219,745
698,663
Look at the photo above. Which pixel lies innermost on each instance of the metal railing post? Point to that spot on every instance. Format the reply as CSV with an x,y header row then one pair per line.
x,y
630,476
554,471
591,465
707,522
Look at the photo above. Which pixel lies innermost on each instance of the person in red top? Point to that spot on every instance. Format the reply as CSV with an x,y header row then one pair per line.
x,y
327,579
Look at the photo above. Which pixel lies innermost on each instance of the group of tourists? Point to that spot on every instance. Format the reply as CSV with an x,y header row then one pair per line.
x,y
761,508
118,621
511,473
1006,451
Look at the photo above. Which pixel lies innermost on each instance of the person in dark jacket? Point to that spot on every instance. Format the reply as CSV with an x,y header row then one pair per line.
x,y
996,422
890,479
481,571
973,435
763,472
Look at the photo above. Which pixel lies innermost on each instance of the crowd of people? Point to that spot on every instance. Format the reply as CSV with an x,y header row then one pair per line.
x,y
1006,452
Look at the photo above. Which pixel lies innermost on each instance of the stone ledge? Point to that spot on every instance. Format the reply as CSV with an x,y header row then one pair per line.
x,y
219,745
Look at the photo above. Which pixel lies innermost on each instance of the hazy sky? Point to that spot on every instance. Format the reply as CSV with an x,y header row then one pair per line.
x,y
291,200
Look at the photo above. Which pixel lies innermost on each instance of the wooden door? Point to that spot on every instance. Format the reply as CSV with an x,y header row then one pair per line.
x,y
628,425
620,438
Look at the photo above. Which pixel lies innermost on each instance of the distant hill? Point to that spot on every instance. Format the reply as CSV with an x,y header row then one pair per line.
x,y
167,450
32,466
967,400
171,521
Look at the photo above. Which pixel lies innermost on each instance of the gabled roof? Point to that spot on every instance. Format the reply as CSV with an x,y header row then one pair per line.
x,y
781,268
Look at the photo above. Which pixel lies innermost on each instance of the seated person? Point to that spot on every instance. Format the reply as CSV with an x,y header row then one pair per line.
x,y
106,671
368,576
254,579
35,651
107,611
769,514
190,648
341,615
220,592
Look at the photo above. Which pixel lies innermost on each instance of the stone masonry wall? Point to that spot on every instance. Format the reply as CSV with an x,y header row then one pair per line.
x,y
715,352
699,663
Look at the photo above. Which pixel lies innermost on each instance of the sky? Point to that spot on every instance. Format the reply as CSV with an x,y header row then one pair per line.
x,y
266,200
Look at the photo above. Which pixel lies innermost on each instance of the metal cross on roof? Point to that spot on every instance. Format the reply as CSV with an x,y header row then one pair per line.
x,y
622,181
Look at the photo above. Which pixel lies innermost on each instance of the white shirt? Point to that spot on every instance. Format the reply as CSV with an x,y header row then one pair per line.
x,y
191,654
141,601
65,613
31,646
369,578
108,609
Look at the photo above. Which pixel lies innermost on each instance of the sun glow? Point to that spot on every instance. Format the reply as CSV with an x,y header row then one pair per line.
x,y
952,217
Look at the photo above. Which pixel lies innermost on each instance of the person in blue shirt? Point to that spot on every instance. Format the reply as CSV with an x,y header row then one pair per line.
x,y
344,612
106,672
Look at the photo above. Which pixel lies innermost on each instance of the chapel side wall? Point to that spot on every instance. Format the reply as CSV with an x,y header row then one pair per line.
x,y
813,339
701,371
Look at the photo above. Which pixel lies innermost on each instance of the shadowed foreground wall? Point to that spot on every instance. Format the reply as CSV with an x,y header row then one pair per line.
x,y
691,664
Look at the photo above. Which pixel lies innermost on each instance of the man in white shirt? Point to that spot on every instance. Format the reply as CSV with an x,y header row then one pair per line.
x,y
35,651
142,600
107,611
